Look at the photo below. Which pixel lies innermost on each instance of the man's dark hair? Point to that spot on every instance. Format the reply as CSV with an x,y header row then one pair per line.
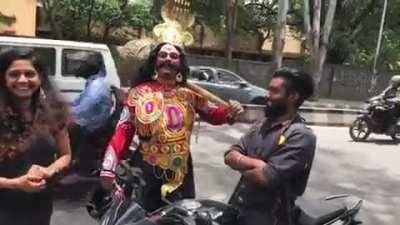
x,y
147,70
296,82
90,63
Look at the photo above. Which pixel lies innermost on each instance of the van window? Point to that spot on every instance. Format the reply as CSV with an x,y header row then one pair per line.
x,y
68,61
45,55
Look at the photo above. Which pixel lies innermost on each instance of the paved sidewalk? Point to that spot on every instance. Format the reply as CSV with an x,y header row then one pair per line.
x,y
334,103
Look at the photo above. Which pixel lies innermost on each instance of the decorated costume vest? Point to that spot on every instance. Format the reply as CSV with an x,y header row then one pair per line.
x,y
164,118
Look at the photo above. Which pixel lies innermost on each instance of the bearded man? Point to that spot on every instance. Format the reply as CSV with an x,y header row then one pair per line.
x,y
275,156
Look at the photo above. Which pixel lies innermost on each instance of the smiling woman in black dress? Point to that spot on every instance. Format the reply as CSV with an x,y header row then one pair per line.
x,y
34,143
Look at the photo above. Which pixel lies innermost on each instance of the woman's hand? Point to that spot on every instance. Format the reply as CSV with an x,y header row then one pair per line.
x,y
26,184
37,173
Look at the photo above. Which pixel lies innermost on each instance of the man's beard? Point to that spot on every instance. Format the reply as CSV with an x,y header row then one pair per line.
x,y
276,109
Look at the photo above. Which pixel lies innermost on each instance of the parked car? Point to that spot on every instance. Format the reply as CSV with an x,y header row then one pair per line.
x,y
227,85
58,56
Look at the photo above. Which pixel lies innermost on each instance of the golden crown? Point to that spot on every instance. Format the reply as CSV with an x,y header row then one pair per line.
x,y
177,18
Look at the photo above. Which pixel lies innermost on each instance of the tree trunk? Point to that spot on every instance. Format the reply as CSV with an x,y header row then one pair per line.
x,y
315,38
202,35
73,33
89,22
307,26
316,26
55,28
318,46
230,25
260,42
106,33
279,35
324,43
50,9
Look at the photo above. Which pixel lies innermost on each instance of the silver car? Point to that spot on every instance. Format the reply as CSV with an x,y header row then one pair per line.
x,y
226,85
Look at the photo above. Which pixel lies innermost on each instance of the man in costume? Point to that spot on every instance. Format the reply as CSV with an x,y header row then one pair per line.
x,y
161,110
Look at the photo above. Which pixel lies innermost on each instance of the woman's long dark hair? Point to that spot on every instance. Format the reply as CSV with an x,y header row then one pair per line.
x,y
50,112
147,70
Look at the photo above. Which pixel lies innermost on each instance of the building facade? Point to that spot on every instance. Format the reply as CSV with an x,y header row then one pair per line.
x,y
18,17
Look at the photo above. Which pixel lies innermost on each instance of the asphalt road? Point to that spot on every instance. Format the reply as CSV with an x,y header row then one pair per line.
x,y
368,170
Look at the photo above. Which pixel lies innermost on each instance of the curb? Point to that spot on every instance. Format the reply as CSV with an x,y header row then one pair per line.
x,y
312,109
332,106
314,115
331,110
327,124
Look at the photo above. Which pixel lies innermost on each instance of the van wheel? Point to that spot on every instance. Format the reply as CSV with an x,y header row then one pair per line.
x,y
258,101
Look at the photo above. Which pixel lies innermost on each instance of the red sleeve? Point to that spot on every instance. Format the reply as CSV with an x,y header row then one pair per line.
x,y
122,138
215,115
119,143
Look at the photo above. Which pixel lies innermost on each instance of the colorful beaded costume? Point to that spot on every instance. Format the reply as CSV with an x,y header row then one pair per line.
x,y
163,118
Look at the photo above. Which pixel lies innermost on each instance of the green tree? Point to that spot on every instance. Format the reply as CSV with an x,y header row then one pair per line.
x,y
74,19
261,18
355,32
209,13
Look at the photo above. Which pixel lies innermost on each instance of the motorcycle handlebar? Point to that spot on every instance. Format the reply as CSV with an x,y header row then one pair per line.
x,y
125,174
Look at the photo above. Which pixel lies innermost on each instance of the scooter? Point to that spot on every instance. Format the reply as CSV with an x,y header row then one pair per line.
x,y
113,210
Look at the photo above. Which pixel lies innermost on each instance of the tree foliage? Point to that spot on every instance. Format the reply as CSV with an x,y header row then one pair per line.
x,y
77,18
355,34
353,37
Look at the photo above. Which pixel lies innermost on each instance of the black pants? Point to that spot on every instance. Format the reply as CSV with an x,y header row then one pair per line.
x,y
151,196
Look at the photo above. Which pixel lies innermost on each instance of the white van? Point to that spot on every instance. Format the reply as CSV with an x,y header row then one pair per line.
x,y
57,56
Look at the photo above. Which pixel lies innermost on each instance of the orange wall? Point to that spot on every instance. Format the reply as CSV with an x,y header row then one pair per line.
x,y
249,42
25,13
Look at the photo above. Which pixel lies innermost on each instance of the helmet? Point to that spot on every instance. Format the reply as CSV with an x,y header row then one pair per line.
x,y
395,80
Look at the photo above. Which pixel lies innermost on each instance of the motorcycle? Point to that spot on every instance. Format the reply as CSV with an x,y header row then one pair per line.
x,y
112,210
377,118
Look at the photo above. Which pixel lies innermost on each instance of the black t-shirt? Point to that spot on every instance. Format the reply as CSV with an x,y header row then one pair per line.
x,y
18,207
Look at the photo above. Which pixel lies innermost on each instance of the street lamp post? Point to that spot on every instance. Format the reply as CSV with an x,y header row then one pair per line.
x,y
378,49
